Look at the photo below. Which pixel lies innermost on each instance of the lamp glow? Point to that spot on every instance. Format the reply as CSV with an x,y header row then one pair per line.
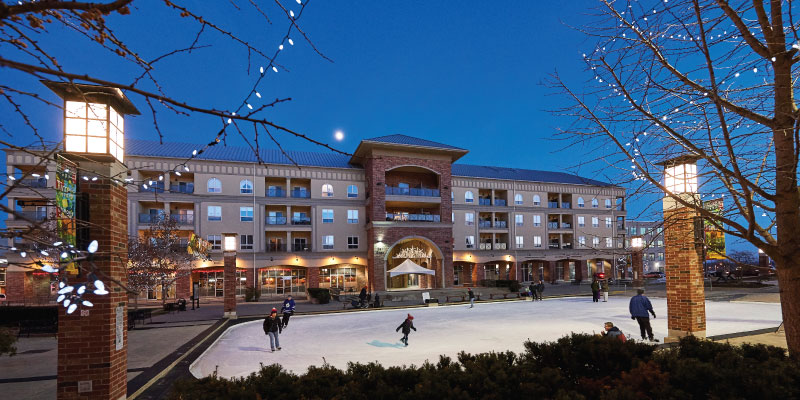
x,y
230,242
681,178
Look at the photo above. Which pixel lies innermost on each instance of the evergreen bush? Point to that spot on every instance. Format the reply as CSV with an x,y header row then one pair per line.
x,y
322,295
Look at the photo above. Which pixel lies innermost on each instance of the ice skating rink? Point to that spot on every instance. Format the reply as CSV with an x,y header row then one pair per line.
x,y
370,335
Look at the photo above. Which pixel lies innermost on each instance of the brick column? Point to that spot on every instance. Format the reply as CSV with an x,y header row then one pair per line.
x,y
183,286
478,274
637,264
546,271
686,311
16,285
229,285
512,273
92,342
580,270
312,278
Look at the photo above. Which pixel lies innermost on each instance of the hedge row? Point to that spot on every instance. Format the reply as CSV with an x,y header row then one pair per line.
x,y
574,367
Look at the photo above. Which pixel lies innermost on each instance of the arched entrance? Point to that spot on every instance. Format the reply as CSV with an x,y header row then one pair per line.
x,y
422,252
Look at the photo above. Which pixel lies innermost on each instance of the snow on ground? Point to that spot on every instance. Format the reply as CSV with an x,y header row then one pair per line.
x,y
370,335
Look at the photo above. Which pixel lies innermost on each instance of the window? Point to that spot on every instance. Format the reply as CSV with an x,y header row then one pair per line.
x,y
327,242
214,186
452,197
352,216
452,216
352,191
581,222
595,204
245,186
520,242
246,242
608,203
352,242
659,243
595,222
518,199
519,219
214,213
581,203
582,241
642,230
537,220
468,197
246,214
327,216
608,222
595,241
469,219
609,242
537,241
470,242
651,257
660,256
327,190
537,200
216,241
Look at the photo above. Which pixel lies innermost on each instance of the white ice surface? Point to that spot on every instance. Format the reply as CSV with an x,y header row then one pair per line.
x,y
370,336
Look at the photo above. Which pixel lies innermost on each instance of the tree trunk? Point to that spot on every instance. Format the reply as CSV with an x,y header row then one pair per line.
x,y
789,282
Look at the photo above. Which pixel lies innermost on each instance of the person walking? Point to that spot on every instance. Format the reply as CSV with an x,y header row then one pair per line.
x,y
531,290
406,326
595,290
639,307
471,297
604,288
539,289
272,327
363,295
611,331
287,310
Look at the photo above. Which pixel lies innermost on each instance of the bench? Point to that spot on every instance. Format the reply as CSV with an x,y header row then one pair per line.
x,y
139,315
505,295
459,297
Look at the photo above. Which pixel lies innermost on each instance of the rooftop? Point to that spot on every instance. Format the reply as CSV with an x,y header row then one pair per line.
x,y
411,141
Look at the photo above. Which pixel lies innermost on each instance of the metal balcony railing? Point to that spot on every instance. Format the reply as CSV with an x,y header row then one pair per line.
x,y
275,247
275,220
400,191
552,204
300,247
157,187
34,183
485,246
413,217
484,202
300,194
554,245
552,225
484,224
566,246
501,224
276,192
499,202
149,218
182,219
34,215
566,225
500,246
177,187
566,205
301,221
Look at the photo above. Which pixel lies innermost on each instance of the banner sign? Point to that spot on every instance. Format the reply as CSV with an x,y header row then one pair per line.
x,y
66,188
715,238
198,247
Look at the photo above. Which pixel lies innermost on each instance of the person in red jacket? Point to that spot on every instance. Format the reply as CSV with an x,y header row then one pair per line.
x,y
407,326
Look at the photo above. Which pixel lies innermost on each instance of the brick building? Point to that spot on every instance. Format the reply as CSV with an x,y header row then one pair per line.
x,y
652,232
344,222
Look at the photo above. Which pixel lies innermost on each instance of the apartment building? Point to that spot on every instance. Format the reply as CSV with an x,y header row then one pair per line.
x,y
335,221
652,232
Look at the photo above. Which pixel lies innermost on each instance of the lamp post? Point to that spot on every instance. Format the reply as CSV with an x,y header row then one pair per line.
x,y
92,346
683,247
637,256
229,274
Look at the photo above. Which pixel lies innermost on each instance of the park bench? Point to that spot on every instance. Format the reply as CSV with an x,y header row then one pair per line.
x,y
505,295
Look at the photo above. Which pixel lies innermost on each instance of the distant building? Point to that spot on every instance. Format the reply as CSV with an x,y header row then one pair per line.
x,y
653,234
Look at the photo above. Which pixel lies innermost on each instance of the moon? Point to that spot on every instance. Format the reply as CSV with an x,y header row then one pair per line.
x,y
339,135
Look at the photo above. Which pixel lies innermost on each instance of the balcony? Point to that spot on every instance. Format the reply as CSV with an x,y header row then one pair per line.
x,y
300,194
566,246
499,202
187,188
34,183
554,245
33,215
485,246
485,202
276,192
552,204
566,225
275,220
301,221
501,224
484,224
282,247
500,246
156,187
566,205
413,217
182,219
552,225
401,191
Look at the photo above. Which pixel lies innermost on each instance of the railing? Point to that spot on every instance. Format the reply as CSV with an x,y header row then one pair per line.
x,y
275,192
300,194
301,221
34,183
554,245
300,247
485,246
157,187
150,218
484,224
413,217
499,202
566,225
566,205
275,247
500,246
552,204
275,220
182,219
501,224
620,227
178,188
566,246
34,215
552,225
401,191
484,202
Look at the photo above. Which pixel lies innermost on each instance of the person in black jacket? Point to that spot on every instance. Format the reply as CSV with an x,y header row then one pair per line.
x,y
407,326
363,295
471,296
272,327
539,289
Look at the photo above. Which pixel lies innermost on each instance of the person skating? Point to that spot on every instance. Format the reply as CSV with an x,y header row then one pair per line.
x,y
604,289
471,297
539,289
595,290
287,310
407,326
272,327
611,331
639,307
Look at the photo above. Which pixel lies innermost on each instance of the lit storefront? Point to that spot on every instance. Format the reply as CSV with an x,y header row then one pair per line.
x,y
344,278
278,281
212,282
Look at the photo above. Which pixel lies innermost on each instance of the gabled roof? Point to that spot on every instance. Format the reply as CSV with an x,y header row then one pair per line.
x,y
412,141
146,148
480,171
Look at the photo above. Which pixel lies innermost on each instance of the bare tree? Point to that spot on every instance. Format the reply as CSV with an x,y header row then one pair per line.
x,y
158,258
709,79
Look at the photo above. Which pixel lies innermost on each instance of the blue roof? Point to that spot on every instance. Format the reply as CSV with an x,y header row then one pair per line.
x,y
479,171
413,141
146,148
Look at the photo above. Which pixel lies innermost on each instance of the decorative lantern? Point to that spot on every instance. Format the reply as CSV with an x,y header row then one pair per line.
x,y
229,243
680,174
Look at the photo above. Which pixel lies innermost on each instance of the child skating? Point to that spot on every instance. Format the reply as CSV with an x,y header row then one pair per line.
x,y
407,326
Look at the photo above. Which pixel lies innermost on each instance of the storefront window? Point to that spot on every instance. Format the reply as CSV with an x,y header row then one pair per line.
x,y
572,270
491,271
343,278
280,281
212,282
559,271
526,272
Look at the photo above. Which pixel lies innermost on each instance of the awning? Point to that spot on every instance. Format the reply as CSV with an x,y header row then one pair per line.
x,y
410,267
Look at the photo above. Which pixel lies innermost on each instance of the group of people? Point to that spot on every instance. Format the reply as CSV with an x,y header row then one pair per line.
x,y
641,309
535,290
597,287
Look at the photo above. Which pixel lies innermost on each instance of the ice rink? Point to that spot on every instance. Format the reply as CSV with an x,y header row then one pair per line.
x,y
370,335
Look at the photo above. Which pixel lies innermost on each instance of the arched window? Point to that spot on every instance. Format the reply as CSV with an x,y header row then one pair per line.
x,y
581,204
595,203
214,186
608,203
245,186
468,197
352,191
327,190
537,200
518,199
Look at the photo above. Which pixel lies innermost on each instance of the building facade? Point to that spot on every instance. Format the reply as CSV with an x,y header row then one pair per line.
x,y
334,221
652,232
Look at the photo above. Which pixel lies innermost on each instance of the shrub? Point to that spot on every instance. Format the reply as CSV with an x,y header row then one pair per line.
x,y
252,294
7,340
322,295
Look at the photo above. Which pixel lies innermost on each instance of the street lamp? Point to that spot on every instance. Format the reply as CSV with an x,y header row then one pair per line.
x,y
229,243
637,257
229,275
680,174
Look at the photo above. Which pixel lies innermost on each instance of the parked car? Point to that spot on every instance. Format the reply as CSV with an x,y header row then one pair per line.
x,y
654,275
2,297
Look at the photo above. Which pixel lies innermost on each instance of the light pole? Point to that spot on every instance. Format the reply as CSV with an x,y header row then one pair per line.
x,y
92,346
229,275
637,247
683,247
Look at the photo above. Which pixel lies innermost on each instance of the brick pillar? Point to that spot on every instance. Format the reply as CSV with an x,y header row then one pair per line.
x,y
638,269
546,270
512,273
580,270
479,274
312,277
92,342
551,266
183,286
229,285
16,283
686,311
